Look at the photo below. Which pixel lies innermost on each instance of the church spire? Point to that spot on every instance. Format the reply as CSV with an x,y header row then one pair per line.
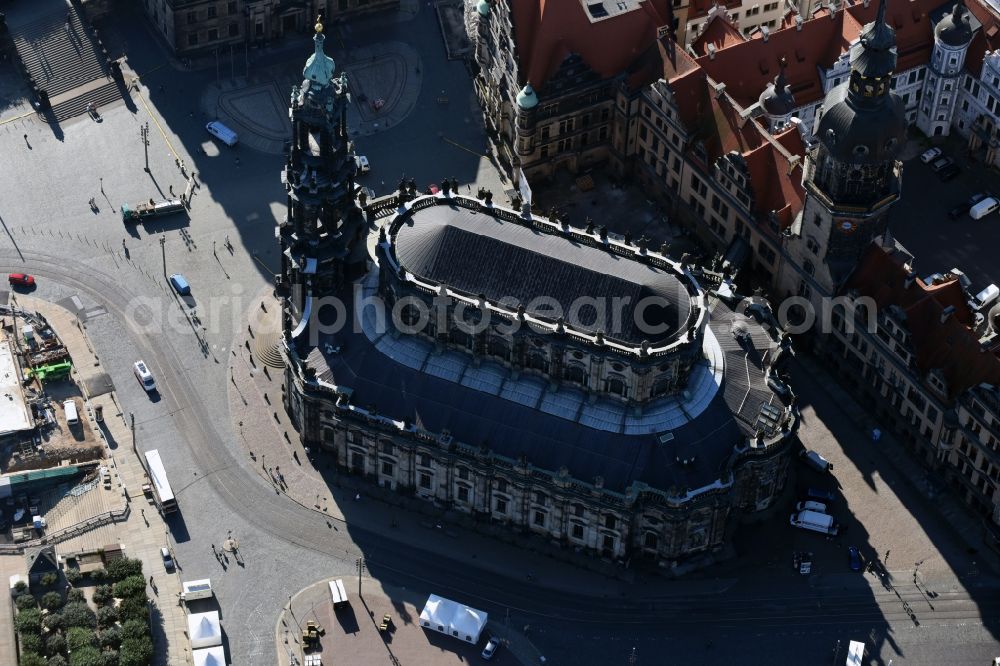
x,y
319,68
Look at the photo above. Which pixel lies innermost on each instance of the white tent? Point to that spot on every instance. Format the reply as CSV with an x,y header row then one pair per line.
x,y
452,618
204,629
213,656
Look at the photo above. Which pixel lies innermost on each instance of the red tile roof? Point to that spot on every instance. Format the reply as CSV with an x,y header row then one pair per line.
x,y
776,178
953,346
748,67
987,38
547,31
699,8
718,32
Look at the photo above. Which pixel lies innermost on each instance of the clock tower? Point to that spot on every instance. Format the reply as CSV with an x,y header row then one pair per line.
x,y
853,174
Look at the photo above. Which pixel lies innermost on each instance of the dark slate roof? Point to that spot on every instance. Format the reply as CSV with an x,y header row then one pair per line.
x,y
42,561
476,253
955,29
549,442
858,133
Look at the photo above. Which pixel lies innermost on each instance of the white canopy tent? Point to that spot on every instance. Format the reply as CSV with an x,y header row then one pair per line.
x,y
452,618
204,629
212,656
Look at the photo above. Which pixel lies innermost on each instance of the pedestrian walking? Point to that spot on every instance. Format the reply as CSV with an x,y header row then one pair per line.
x,y
886,559
123,240
151,581
171,190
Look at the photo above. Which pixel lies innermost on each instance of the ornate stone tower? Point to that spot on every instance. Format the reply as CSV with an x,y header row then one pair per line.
x,y
853,176
952,37
322,236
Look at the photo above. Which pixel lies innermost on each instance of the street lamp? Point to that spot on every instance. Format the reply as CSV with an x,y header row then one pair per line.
x,y
144,136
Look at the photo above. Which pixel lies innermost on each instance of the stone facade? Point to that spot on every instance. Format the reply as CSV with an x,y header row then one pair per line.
x,y
191,27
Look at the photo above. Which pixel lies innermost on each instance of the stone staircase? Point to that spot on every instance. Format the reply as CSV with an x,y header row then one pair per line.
x,y
68,64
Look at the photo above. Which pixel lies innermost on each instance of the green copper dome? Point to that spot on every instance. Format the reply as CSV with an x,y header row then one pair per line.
x,y
319,68
483,8
527,99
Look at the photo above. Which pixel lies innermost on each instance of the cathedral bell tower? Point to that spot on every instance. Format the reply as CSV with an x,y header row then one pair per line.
x,y
322,235
852,176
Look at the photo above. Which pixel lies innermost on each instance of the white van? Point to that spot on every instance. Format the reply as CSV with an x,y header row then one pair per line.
x,y
817,522
986,296
222,133
816,461
984,208
196,589
72,418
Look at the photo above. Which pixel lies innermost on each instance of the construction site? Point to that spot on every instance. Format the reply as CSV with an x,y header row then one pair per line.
x,y
47,439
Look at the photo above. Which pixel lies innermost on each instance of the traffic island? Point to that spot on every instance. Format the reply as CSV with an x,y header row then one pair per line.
x,y
375,625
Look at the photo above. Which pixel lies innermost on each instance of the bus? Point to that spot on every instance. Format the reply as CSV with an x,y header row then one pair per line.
x,y
162,493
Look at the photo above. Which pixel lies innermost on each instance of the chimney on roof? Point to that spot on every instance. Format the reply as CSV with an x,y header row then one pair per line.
x,y
720,89
946,313
711,51
832,8
765,32
866,3
910,279
793,162
798,23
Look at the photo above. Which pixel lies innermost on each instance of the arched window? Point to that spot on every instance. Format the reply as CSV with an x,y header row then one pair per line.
x,y
537,361
576,373
617,386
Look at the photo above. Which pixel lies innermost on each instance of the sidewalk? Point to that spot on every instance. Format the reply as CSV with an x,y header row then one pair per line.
x,y
966,527
144,532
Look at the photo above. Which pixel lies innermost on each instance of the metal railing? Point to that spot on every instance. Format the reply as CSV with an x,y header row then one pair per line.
x,y
69,532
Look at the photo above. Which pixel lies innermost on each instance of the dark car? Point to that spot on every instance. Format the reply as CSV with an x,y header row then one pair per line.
x,y
820,495
854,558
942,163
21,280
963,208
949,172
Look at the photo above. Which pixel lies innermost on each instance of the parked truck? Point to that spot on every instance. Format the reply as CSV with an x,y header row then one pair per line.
x,y
815,521
816,461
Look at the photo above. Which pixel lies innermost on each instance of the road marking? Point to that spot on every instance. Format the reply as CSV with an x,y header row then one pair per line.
x,y
23,115
156,122
458,145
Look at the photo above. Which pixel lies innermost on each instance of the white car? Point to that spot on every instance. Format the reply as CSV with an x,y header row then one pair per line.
x,y
168,562
491,648
930,155
362,163
144,376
